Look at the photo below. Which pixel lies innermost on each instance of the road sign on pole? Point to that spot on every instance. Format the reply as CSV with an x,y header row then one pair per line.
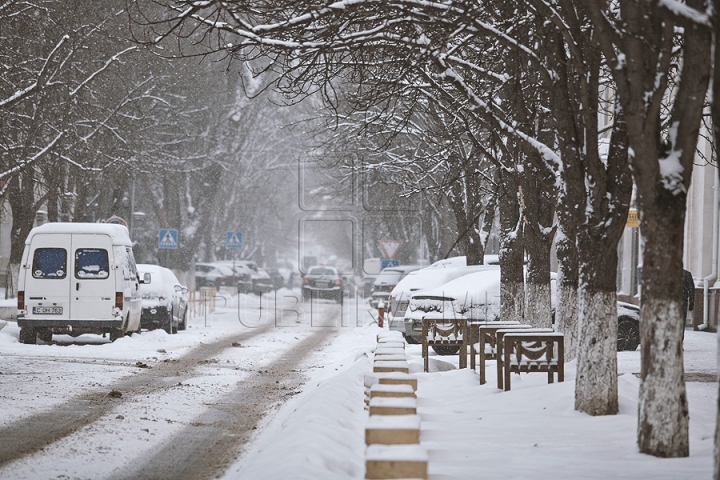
x,y
389,263
233,240
168,238
390,247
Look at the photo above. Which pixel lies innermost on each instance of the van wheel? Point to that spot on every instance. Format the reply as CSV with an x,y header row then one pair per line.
x,y
28,335
115,334
183,324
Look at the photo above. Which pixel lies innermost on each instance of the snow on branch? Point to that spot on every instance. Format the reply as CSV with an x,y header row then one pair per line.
x,y
685,11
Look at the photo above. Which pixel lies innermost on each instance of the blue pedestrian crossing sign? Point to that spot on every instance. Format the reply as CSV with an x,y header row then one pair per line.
x,y
234,240
168,238
384,263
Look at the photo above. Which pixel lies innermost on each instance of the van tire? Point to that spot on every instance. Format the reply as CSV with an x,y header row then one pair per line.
x,y
28,336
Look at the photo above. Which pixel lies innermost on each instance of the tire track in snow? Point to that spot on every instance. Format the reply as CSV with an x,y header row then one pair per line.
x,y
31,434
208,446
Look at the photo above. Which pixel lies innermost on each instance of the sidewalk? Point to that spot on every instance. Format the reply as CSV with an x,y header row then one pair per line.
x,y
473,431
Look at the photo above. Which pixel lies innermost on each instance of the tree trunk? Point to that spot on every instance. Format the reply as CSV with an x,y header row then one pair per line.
x,y
512,284
663,409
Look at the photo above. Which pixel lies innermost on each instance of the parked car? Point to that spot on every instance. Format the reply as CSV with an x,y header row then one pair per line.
x,y
628,326
322,282
212,275
260,281
277,278
367,283
475,295
164,299
428,277
387,280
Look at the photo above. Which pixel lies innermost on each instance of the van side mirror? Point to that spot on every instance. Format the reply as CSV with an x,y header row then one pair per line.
x,y
146,279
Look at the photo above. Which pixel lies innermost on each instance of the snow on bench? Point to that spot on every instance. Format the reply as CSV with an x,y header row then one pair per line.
x,y
526,351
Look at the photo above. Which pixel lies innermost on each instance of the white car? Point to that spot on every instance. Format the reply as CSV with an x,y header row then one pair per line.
x,y
429,277
474,295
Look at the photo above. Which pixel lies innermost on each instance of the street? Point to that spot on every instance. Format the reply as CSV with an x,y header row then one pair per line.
x,y
156,405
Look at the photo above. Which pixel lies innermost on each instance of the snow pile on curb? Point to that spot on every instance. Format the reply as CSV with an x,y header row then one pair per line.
x,y
317,435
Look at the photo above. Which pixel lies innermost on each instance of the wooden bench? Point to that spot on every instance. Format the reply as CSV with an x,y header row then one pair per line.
x,y
487,344
500,357
526,351
445,332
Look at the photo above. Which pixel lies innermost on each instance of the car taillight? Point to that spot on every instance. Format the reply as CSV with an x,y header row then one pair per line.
x,y
21,301
119,300
338,282
305,281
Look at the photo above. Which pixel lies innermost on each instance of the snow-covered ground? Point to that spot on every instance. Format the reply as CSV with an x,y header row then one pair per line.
x,y
470,431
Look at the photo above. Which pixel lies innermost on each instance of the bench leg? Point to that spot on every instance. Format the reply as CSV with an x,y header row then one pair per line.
x,y
506,367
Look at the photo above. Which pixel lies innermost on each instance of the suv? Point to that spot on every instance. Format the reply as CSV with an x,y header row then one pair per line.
x,y
386,281
323,282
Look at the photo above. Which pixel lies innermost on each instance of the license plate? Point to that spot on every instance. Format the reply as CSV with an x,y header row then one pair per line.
x,y
322,284
47,310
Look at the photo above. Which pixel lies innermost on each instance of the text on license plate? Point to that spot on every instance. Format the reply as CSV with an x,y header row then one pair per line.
x,y
322,284
47,310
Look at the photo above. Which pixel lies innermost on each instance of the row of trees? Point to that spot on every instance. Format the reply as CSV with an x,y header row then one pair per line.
x,y
94,125
520,86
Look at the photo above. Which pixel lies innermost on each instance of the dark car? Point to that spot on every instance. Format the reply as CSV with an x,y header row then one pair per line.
x,y
386,281
164,299
323,282
628,326
212,275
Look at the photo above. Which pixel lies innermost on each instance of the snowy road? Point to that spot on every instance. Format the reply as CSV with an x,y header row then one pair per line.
x,y
154,405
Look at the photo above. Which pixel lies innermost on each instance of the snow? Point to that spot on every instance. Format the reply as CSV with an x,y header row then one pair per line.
x,y
467,430
118,233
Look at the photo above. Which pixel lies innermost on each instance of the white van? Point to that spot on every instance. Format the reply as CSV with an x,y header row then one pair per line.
x,y
78,278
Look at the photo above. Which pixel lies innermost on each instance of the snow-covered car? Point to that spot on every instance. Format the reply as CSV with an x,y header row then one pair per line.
x,y
628,326
428,277
164,299
384,283
322,282
237,273
212,275
260,281
475,295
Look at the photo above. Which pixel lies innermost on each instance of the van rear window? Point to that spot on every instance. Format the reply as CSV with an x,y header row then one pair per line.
x,y
91,263
49,263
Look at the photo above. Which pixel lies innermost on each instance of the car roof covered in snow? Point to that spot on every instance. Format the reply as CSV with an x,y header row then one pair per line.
x,y
118,233
470,287
432,277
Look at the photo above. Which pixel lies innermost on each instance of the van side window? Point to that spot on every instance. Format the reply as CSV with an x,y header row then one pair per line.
x,y
91,263
49,263
130,268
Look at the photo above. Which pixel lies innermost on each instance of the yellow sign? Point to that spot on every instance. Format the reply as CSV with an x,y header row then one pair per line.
x,y
632,219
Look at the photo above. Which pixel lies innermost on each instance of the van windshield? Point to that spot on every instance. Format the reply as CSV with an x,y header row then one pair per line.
x,y
49,263
91,263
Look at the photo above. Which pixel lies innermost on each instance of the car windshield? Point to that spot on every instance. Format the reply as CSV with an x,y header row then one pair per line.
x,y
389,276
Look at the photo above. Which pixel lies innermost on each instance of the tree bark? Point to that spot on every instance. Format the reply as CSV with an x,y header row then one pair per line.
x,y
512,283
